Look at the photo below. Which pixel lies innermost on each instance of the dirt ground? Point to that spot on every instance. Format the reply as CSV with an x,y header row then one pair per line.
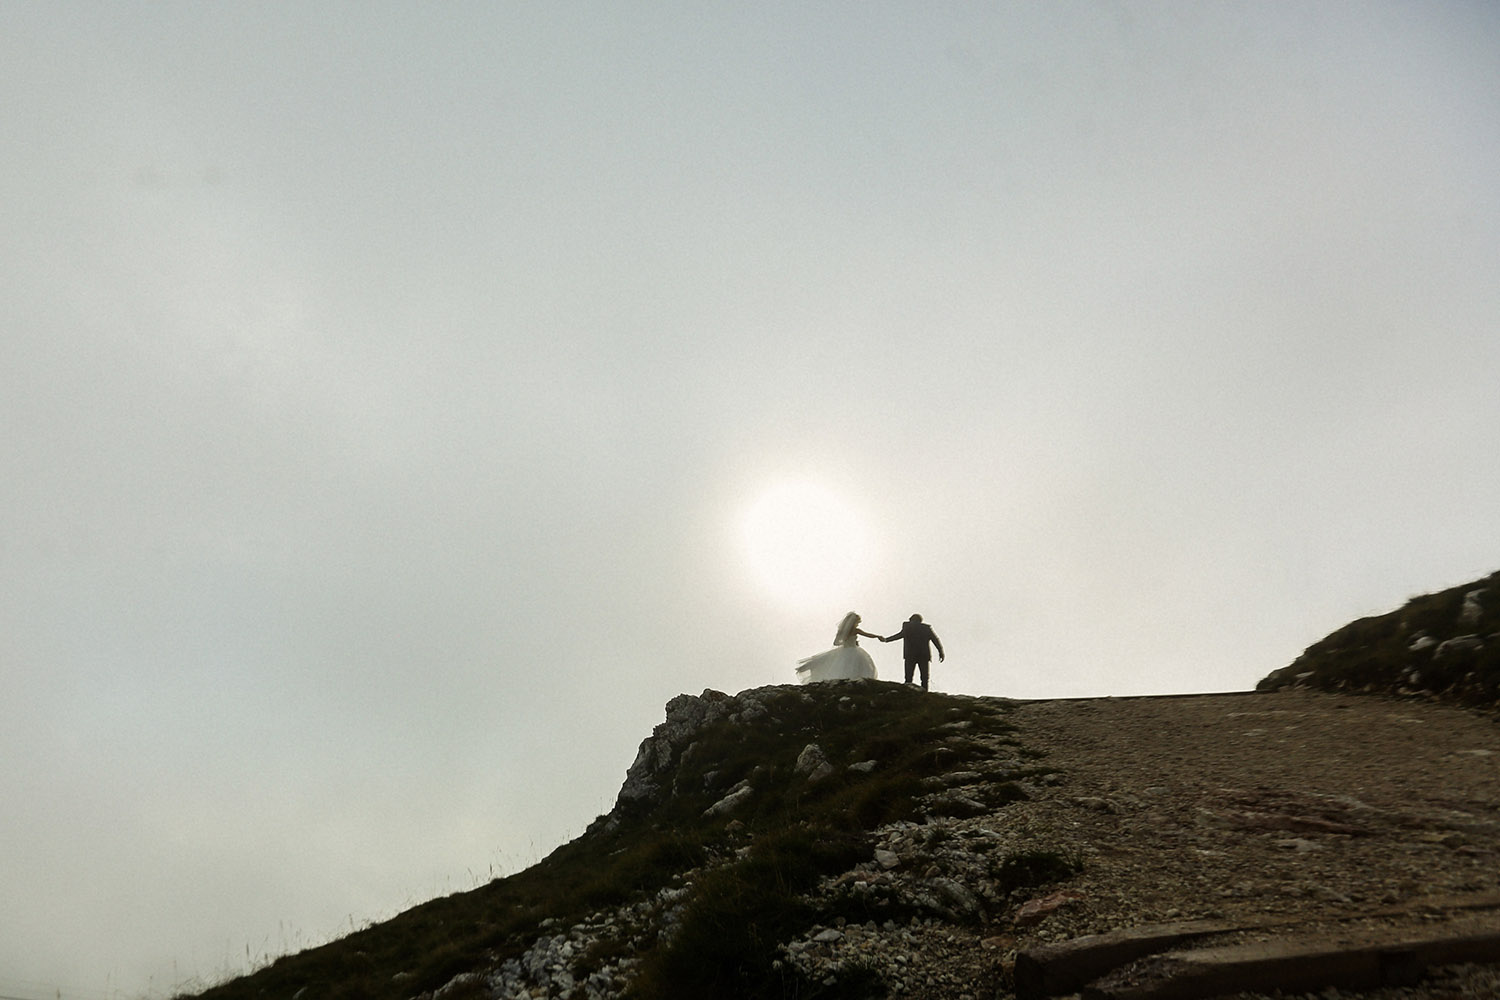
x,y
1330,812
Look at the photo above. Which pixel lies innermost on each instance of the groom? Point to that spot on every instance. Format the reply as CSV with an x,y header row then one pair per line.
x,y
915,635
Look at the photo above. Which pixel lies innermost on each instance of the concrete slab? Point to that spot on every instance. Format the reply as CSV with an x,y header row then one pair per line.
x,y
1365,961
1067,966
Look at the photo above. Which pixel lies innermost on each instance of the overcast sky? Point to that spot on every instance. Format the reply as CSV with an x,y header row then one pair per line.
x,y
401,403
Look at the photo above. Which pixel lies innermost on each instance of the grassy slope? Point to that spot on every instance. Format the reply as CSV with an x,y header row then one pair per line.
x,y
1376,655
784,838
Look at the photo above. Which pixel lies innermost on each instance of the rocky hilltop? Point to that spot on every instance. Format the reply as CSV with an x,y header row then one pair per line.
x,y
1444,645
862,839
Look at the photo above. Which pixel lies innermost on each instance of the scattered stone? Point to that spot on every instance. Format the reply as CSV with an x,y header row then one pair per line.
x,y
1034,911
962,901
953,779
955,804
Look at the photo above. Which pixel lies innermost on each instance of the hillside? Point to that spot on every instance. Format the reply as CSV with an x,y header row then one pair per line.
x,y
735,810
1444,645
934,845
863,839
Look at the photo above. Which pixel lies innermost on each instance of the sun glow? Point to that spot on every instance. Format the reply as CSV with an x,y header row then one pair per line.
x,y
805,545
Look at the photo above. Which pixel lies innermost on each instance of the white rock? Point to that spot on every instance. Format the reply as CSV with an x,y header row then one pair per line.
x,y
810,759
812,764
732,801
1459,644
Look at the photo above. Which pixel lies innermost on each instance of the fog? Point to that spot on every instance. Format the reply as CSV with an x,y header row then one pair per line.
x,y
391,395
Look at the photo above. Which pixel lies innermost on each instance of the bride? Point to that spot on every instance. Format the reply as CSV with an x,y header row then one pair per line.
x,y
845,660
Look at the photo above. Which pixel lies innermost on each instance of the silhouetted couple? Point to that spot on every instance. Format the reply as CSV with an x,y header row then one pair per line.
x,y
847,661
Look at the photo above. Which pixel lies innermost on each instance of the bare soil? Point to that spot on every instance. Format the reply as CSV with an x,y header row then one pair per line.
x,y
1321,813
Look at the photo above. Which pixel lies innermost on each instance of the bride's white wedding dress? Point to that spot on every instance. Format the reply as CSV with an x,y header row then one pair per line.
x,y
845,661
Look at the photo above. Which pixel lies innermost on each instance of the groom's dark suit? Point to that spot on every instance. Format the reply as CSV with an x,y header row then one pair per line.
x,y
916,636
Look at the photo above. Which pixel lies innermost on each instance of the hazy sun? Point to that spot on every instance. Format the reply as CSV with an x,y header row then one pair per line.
x,y
805,545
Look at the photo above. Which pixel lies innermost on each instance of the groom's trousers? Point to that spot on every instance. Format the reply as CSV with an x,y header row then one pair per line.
x,y
924,664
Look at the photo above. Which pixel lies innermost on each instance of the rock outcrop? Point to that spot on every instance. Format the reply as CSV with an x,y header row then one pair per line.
x,y
651,777
1444,646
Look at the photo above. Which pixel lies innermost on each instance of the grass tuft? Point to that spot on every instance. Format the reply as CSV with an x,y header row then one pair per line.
x,y
1035,868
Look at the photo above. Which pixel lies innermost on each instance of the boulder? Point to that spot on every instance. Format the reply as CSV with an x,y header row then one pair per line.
x,y
1459,644
812,764
737,796
1473,608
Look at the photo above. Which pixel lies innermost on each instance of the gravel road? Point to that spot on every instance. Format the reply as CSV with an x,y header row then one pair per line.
x,y
1333,812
